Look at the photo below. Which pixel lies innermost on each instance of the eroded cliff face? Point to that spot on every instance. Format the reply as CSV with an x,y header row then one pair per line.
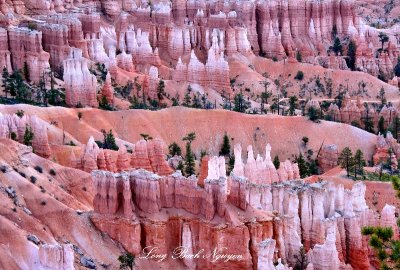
x,y
185,41
258,218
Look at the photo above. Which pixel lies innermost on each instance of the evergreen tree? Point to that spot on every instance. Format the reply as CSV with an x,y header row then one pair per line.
x,y
104,104
351,53
26,72
231,163
396,69
337,46
53,95
28,136
127,261
276,162
189,156
240,103
383,38
146,137
109,141
369,125
305,140
196,102
381,126
174,149
160,91
382,96
43,89
313,114
396,127
226,146
381,239
303,166
180,166
20,113
301,260
346,160
5,75
299,57
292,104
187,100
359,163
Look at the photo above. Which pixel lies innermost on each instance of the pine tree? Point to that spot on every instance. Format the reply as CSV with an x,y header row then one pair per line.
x,y
231,163
276,162
381,126
337,46
26,72
226,146
104,104
313,114
351,53
189,156
396,69
292,104
5,75
146,137
301,260
240,104
28,136
383,38
160,91
382,96
187,100
174,149
359,163
381,239
346,160
303,166
396,127
127,261
109,141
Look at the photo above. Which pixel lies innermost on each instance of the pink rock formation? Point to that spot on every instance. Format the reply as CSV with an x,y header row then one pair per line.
x,y
140,158
80,84
57,256
107,90
381,150
5,59
26,49
123,160
263,171
12,124
323,216
328,157
203,170
388,219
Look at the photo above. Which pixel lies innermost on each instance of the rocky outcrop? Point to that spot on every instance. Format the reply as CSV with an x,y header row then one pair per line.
x,y
14,127
324,217
5,56
262,170
80,84
26,50
328,157
107,90
57,256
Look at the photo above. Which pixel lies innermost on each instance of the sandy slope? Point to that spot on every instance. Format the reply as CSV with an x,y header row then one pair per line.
x,y
283,133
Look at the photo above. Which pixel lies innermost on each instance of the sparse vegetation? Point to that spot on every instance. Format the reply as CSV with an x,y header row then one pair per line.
x,y
33,179
108,141
38,169
127,261
174,149
52,172
299,76
189,165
